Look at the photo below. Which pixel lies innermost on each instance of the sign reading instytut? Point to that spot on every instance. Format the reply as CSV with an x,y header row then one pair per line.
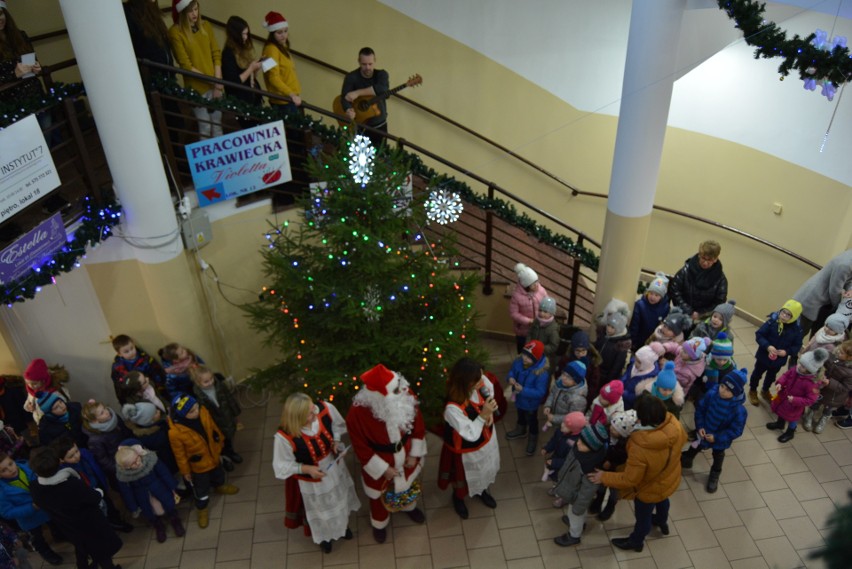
x,y
27,172
32,249
239,163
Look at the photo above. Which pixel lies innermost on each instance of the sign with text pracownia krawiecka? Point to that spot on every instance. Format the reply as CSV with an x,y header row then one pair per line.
x,y
27,172
239,163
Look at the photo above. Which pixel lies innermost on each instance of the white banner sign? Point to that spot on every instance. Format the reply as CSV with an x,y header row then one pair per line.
x,y
27,172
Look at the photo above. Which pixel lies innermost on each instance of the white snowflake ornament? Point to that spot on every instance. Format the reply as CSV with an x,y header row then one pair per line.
x,y
361,155
443,206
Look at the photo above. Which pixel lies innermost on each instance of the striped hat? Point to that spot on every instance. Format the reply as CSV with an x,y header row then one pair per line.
x,y
722,347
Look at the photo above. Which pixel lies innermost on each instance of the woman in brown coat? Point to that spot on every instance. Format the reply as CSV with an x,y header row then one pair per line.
x,y
652,472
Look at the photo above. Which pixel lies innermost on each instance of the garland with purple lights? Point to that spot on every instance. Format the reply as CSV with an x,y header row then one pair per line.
x,y
816,61
96,225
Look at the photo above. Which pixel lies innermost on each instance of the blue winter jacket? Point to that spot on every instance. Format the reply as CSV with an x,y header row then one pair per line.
x,y
646,317
155,480
630,382
725,419
534,382
17,503
789,340
90,468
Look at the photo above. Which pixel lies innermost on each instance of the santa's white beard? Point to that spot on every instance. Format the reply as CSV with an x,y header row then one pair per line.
x,y
396,410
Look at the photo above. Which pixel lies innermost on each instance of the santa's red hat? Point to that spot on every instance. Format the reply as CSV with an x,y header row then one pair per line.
x,y
273,21
378,379
179,6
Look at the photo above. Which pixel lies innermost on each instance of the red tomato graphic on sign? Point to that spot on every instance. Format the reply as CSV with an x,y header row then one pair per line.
x,y
272,177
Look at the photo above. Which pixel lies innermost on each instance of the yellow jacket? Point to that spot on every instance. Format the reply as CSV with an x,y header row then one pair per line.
x,y
194,453
281,79
199,50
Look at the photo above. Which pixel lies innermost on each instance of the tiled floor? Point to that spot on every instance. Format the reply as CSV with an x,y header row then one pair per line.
x,y
770,511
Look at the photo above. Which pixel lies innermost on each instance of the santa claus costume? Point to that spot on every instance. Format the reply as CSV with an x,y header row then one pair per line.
x,y
389,437
324,503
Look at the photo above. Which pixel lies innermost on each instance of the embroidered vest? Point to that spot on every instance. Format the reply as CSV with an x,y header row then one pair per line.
x,y
311,450
455,442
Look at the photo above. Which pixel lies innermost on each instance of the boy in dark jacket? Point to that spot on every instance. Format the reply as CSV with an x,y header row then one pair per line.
x,y
213,394
129,358
582,350
60,418
614,347
778,338
720,417
701,283
649,310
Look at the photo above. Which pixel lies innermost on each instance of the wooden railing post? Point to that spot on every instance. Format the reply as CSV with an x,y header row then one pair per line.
x,y
489,228
82,151
575,283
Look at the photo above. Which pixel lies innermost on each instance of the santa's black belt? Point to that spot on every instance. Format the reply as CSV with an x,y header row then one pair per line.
x,y
391,448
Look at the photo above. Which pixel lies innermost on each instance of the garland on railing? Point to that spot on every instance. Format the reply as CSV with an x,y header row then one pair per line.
x,y
811,61
95,227
12,112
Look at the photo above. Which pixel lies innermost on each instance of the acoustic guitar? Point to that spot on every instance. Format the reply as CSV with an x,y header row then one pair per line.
x,y
368,107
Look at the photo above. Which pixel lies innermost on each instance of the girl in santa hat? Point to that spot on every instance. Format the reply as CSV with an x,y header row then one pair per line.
x,y
281,79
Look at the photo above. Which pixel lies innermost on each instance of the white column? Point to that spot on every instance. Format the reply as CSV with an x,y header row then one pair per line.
x,y
101,43
649,75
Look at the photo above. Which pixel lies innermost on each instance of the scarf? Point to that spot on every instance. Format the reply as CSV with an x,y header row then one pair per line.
x,y
545,321
589,461
107,425
822,338
58,478
149,461
149,395
656,393
180,367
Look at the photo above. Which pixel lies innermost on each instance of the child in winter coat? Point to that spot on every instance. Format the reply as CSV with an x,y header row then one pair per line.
x,y
106,430
557,448
582,350
38,378
545,329
838,373
197,445
147,487
574,487
649,311
664,387
129,358
797,389
672,328
719,363
528,380
524,304
60,417
717,323
828,337
779,337
151,428
720,418
621,426
137,387
691,361
567,394
213,394
607,403
644,366
613,346
177,363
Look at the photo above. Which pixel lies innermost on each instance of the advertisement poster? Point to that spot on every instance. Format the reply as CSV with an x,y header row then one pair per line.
x,y
32,248
239,163
27,172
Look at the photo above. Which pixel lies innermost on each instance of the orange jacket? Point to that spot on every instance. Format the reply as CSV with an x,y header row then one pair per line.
x,y
652,472
192,452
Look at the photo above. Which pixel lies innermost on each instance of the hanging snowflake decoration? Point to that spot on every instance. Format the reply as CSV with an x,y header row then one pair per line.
x,y
361,155
443,206
371,305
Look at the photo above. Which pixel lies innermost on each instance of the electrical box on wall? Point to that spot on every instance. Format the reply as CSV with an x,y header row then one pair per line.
x,y
196,229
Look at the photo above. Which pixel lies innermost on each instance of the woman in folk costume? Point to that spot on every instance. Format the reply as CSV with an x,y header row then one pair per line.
x,y
307,454
470,457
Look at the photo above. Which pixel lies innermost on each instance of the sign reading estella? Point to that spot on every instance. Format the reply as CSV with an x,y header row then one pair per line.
x,y
32,248
239,163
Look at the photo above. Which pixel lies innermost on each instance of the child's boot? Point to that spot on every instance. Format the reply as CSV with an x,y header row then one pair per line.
x,y
752,397
203,518
517,432
787,435
532,443
160,530
808,419
823,421
776,425
227,489
713,481
174,518
609,509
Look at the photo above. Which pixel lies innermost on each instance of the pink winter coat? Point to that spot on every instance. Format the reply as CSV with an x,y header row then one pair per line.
x,y
523,308
688,371
803,388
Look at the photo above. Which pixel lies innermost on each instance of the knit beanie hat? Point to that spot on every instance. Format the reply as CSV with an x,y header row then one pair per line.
x,y
695,348
667,378
814,360
619,322
676,321
46,399
611,392
534,349
142,413
735,381
574,421
273,21
526,276
179,6
548,305
577,370
659,285
183,404
794,307
722,347
837,323
646,356
624,422
37,371
595,436
726,311
580,340
612,307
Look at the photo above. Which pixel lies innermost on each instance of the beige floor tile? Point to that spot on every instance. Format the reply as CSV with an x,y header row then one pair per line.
x,y
446,552
270,499
710,558
720,513
787,460
807,444
512,513
413,540
416,562
779,553
733,471
819,511
698,484
753,563
248,486
443,522
783,504
507,486
200,559
378,556
695,533
518,543
805,555
761,524
234,545
481,532
166,554
744,495
536,496
766,477
125,562
669,553
486,558
838,491
527,563
684,506
804,486
599,558
622,518
767,439
736,543
801,532
313,560
270,527
749,453
556,557
197,538
640,563
841,451
825,469
238,516
547,524
268,555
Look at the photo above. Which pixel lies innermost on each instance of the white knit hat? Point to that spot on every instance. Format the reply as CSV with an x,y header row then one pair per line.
x,y
526,276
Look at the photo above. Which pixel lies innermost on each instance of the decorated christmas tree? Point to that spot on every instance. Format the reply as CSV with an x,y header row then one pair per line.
x,y
356,283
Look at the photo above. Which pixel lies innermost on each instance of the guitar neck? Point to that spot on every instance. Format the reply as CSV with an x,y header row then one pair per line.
x,y
387,94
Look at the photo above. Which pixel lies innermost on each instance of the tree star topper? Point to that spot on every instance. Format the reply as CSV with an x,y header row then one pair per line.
x,y
361,155
443,206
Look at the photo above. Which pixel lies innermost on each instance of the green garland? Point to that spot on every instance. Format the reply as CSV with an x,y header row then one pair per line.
x,y
811,62
12,112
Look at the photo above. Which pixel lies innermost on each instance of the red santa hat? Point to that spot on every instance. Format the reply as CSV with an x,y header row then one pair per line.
x,y
380,379
179,6
37,371
273,21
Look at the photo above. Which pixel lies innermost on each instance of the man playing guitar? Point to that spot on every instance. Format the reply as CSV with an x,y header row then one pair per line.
x,y
367,81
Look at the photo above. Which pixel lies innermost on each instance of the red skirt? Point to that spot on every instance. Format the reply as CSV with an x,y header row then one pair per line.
x,y
451,471
294,507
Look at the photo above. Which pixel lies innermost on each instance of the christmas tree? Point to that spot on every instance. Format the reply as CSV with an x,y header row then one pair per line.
x,y
356,283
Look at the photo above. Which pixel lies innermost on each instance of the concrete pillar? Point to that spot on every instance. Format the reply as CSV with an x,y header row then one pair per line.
x,y
649,75
101,43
